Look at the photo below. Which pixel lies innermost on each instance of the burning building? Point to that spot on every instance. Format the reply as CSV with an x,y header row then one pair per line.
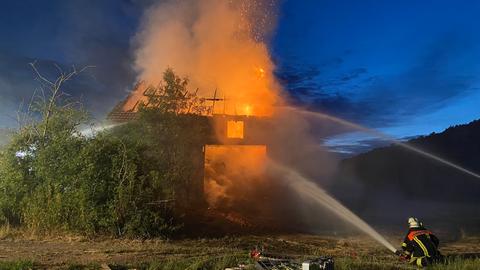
x,y
232,57
233,161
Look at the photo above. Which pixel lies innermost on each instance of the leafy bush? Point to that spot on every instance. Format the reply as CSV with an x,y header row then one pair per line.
x,y
134,180
167,140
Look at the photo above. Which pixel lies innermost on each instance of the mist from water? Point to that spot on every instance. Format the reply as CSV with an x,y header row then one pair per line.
x,y
309,190
92,130
384,136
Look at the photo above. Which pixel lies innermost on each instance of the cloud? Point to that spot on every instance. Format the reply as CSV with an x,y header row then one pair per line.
x,y
307,86
441,72
309,81
18,84
98,33
95,33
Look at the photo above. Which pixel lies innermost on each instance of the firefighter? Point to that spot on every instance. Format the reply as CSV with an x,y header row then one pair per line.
x,y
420,245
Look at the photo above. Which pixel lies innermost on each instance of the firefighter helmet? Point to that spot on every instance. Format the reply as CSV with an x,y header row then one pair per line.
x,y
414,222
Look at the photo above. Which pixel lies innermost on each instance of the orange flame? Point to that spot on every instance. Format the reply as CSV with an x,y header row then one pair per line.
x,y
216,50
248,110
232,171
215,44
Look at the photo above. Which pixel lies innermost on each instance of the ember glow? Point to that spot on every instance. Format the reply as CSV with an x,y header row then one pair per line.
x,y
136,96
247,110
217,45
233,174
235,129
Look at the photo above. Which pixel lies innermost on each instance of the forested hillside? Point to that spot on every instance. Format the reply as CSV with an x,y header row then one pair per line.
x,y
396,176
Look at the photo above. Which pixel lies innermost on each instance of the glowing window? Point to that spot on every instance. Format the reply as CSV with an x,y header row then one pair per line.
x,y
235,129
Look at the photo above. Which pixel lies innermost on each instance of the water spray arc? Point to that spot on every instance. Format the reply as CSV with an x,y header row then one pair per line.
x,y
385,137
316,194
95,129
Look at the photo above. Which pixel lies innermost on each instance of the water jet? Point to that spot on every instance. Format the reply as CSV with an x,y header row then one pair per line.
x,y
384,136
314,193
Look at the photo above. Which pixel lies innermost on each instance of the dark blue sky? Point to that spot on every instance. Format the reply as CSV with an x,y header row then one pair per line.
x,y
404,67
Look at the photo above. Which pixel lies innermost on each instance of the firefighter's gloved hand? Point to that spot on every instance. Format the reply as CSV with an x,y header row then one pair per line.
x,y
255,253
403,256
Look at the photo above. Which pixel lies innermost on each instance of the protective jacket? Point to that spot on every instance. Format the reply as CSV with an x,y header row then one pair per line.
x,y
421,244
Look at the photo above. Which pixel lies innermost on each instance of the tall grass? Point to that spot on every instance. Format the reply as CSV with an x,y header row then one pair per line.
x,y
222,262
204,262
368,264
16,265
372,264
458,264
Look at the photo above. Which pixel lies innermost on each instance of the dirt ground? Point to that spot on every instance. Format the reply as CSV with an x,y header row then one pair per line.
x,y
62,252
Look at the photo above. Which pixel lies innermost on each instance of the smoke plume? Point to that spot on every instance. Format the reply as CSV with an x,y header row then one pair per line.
x,y
221,47
217,44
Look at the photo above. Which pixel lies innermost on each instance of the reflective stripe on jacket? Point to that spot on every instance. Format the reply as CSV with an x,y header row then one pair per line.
x,y
420,242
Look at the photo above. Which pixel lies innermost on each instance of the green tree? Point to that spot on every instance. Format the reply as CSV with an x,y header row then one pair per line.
x,y
135,181
169,135
34,165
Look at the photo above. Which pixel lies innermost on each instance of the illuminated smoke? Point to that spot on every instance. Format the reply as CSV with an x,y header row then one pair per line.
x,y
217,44
312,192
221,47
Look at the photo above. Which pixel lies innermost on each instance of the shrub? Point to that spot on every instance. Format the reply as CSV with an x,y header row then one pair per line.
x,y
132,181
